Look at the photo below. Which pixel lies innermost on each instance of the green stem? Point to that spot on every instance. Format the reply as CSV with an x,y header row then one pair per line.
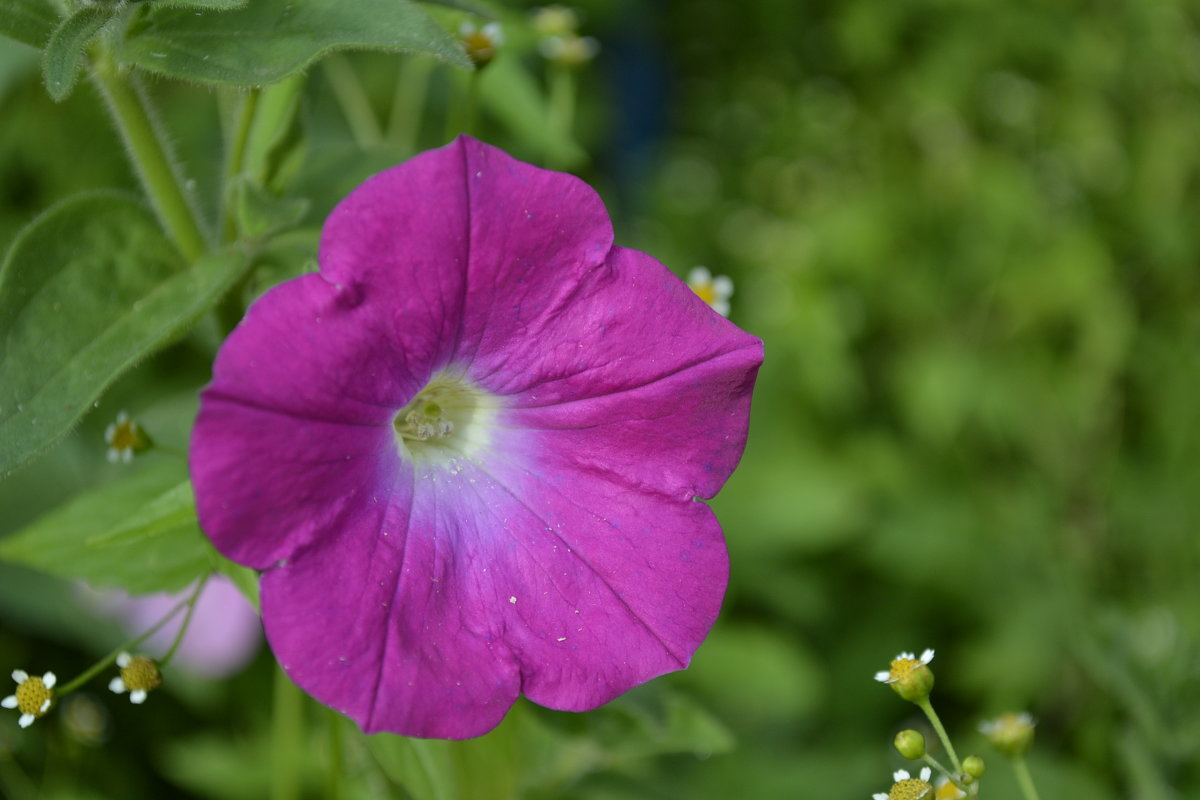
x,y
925,706
334,789
107,661
148,151
287,724
1024,779
937,765
356,106
412,85
235,158
187,620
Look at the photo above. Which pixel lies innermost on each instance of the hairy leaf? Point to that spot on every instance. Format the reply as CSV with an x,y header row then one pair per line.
x,y
60,59
28,21
268,40
86,290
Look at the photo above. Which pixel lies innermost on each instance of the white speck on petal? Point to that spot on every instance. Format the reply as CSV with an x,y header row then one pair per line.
x,y
512,600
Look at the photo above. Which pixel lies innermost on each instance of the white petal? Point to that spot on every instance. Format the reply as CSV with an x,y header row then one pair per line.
x,y
723,286
49,680
925,773
122,418
883,676
879,796
699,275
116,685
20,675
110,432
45,705
127,455
26,720
906,655
137,696
113,455
927,656
721,306
9,702
900,775
123,660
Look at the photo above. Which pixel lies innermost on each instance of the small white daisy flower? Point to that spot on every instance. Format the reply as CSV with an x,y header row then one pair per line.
x,y
907,787
124,438
714,291
569,49
1010,733
481,44
33,696
902,665
139,676
554,20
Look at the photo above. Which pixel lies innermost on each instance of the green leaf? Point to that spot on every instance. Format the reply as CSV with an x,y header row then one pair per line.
x,y
138,533
260,213
86,290
244,578
28,21
268,40
60,59
216,5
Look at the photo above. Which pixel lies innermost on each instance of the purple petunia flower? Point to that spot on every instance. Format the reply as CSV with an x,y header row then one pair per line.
x,y
467,454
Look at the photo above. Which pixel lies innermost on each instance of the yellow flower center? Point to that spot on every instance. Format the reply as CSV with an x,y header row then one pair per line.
x,y
707,292
141,674
910,789
125,436
902,668
447,419
32,695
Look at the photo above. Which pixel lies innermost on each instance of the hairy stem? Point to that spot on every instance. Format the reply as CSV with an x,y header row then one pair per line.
x,y
147,148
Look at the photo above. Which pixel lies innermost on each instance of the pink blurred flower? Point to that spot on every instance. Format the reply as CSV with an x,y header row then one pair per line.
x,y
224,634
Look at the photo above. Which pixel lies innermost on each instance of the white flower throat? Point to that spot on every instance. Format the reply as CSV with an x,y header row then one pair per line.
x,y
449,418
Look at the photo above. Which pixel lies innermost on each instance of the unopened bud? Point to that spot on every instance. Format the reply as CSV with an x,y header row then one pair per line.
x,y
974,766
910,744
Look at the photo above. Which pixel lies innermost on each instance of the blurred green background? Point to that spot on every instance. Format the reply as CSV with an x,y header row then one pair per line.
x,y
967,231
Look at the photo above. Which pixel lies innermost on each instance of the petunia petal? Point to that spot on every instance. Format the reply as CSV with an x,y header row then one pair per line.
x,y
466,247
658,401
408,656
282,449
560,602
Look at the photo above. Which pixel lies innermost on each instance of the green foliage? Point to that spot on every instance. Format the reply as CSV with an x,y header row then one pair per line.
x,y
268,40
531,755
60,59
138,533
67,289
28,21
